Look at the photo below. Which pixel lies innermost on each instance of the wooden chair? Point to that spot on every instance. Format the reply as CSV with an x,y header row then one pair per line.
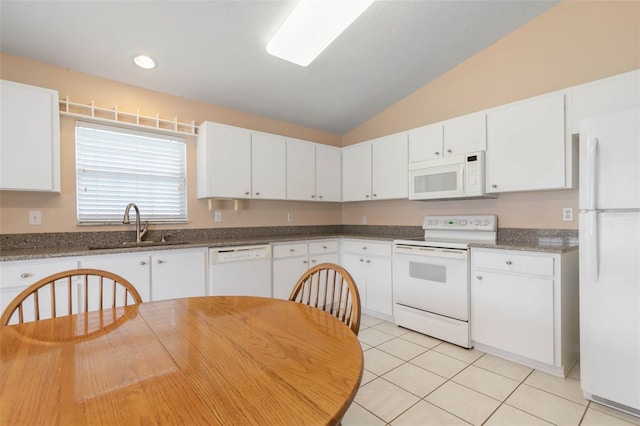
x,y
96,288
331,288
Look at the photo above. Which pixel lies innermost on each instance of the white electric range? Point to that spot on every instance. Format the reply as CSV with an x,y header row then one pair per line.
x,y
431,276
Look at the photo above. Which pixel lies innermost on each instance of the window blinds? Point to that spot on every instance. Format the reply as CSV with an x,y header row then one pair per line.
x,y
117,166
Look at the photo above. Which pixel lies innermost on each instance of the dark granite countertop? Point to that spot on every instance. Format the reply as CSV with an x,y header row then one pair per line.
x,y
43,246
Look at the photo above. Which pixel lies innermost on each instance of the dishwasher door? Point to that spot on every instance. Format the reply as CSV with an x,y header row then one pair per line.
x,y
240,271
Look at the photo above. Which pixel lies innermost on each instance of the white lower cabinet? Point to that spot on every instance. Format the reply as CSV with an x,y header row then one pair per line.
x,y
524,307
133,267
18,275
292,259
369,263
178,273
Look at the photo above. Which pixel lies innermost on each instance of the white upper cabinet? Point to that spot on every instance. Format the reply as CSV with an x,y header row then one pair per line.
x,y
604,96
527,146
389,172
376,169
268,166
224,161
356,172
313,171
328,173
238,163
29,138
452,137
301,170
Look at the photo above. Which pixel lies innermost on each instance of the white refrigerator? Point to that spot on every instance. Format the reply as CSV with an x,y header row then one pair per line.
x,y
610,259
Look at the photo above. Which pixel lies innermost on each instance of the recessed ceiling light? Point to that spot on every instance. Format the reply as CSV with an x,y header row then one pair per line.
x,y
143,61
312,26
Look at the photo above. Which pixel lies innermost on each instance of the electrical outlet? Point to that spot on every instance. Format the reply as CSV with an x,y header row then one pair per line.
x,y
217,216
290,217
364,220
567,214
35,217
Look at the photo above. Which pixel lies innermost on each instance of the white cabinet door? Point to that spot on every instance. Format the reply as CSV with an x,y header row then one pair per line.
x,y
390,167
29,138
379,289
514,314
286,273
354,264
328,173
465,134
425,143
178,273
16,276
301,170
526,148
356,172
224,161
268,157
604,96
132,267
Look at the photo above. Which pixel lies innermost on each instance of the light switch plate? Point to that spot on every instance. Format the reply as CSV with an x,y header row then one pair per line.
x,y
35,217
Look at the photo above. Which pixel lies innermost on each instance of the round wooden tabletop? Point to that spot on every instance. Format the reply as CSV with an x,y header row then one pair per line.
x,y
204,360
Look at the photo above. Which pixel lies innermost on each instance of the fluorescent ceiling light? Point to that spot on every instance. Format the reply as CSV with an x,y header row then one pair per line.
x,y
312,26
143,61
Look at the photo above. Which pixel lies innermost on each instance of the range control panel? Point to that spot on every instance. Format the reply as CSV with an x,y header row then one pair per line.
x,y
461,223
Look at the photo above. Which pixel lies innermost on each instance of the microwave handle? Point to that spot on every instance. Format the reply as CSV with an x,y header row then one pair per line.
x,y
461,179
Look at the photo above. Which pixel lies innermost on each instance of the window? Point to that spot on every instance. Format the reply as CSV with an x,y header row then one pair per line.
x,y
117,166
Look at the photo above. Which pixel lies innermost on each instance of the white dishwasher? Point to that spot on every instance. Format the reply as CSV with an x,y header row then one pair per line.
x,y
240,271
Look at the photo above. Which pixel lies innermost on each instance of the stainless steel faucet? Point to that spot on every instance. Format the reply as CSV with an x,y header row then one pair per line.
x,y
126,221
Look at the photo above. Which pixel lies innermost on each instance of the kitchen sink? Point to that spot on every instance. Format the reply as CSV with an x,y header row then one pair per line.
x,y
134,244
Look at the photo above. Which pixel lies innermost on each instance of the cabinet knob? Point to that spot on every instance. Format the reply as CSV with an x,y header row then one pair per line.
x,y
25,275
247,193
361,260
313,196
257,193
305,262
367,196
320,196
437,153
375,195
478,277
313,261
324,247
292,250
160,261
449,151
364,248
368,261
142,263
508,262
494,185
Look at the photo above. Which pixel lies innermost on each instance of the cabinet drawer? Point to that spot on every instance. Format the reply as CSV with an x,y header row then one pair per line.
x,y
366,247
510,262
25,273
323,247
290,250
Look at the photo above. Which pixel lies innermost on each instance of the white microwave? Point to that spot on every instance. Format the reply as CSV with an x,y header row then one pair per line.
x,y
457,176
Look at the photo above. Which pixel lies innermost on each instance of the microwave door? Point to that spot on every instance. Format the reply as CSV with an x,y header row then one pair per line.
x,y
437,182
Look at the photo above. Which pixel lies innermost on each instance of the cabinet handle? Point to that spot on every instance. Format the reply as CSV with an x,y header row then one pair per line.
x,y
361,260
313,261
449,151
292,250
508,262
320,196
313,196
367,196
437,153
375,195
257,193
324,247
305,262
494,185
25,275
368,261
160,261
247,193
142,263
478,277
364,248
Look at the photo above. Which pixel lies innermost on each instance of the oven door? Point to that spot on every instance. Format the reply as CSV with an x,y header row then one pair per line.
x,y
432,279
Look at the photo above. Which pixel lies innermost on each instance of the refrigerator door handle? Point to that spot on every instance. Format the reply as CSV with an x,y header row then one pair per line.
x,y
592,245
592,155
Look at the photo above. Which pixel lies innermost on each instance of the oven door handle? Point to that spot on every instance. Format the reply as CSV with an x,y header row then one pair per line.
x,y
431,252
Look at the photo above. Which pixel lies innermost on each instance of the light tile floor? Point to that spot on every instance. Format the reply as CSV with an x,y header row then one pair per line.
x,y
414,380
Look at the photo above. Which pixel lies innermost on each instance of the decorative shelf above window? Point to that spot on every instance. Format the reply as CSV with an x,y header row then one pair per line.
x,y
112,115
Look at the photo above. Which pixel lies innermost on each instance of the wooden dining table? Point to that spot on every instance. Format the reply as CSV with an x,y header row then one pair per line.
x,y
193,361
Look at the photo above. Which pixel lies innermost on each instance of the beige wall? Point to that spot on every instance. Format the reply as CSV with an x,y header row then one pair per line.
x,y
575,42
